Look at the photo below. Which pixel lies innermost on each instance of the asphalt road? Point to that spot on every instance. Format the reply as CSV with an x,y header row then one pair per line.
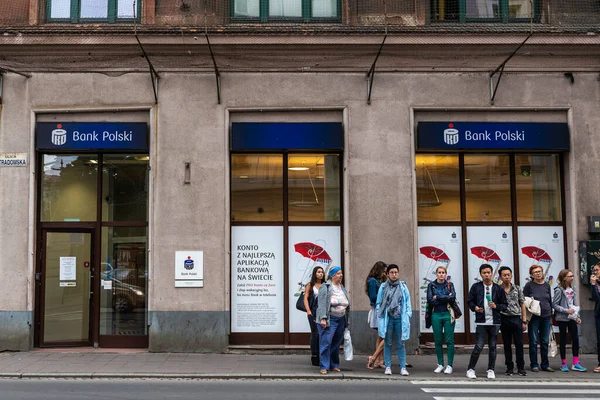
x,y
335,389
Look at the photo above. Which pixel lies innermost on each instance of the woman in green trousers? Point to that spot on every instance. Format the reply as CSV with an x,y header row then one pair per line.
x,y
440,293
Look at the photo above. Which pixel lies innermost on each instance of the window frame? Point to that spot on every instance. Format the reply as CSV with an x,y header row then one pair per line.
x,y
503,13
75,13
306,14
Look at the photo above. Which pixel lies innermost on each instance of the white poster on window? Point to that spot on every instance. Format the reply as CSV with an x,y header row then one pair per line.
x,y
491,245
257,279
440,245
541,245
309,247
68,269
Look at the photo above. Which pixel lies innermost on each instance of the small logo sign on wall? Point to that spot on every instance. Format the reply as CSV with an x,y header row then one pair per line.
x,y
189,269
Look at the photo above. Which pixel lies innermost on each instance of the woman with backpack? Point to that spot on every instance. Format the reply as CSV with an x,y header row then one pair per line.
x,y
565,307
376,277
311,293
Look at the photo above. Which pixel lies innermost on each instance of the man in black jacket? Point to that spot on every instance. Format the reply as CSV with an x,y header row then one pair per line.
x,y
487,300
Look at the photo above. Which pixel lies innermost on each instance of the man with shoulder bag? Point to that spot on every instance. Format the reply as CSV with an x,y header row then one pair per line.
x,y
513,323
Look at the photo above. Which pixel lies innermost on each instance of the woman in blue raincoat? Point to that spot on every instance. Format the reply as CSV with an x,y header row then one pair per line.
x,y
394,312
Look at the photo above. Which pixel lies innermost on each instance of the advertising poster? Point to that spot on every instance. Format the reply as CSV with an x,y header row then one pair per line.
x,y
257,279
309,247
491,245
440,245
541,245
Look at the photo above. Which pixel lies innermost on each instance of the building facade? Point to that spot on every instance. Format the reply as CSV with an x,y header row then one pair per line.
x,y
172,171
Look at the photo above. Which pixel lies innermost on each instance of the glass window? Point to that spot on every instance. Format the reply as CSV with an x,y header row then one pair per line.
x,y
473,10
68,188
276,9
483,9
125,188
538,187
314,187
438,187
94,9
519,9
60,9
256,187
487,185
285,8
324,8
124,281
126,9
246,8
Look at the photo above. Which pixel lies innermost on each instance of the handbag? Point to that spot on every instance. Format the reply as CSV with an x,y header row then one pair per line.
x,y
300,302
552,347
428,316
456,309
348,350
533,306
369,316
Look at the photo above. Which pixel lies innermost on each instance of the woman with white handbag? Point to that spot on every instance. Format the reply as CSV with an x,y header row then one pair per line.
x,y
567,315
539,325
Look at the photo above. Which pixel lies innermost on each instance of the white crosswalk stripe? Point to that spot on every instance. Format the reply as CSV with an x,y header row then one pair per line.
x,y
508,390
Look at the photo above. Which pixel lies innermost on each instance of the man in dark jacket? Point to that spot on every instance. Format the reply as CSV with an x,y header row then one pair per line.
x,y
487,300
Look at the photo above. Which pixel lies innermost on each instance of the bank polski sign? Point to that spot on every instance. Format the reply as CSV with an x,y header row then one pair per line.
x,y
492,136
92,136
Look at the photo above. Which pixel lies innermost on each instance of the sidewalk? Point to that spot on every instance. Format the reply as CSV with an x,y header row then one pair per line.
x,y
90,363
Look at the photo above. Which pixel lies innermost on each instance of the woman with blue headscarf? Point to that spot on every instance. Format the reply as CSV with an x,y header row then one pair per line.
x,y
332,313
394,312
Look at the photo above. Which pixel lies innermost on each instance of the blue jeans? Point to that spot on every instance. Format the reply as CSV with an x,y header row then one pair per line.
x,y
539,332
394,330
330,339
483,332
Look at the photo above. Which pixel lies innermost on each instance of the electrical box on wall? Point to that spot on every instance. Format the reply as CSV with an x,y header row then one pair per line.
x,y
594,224
589,255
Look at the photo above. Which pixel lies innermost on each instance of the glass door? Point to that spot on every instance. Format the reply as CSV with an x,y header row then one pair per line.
x,y
66,287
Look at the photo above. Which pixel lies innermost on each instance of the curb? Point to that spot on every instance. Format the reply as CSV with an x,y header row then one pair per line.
x,y
283,376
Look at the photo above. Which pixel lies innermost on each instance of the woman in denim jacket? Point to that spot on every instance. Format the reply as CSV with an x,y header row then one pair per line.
x,y
394,312
564,304
332,314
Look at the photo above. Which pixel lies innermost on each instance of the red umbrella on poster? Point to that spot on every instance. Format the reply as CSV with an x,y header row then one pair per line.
x,y
541,257
316,255
489,256
437,257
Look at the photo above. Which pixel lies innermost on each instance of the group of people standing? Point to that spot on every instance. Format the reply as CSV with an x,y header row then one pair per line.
x,y
498,308
504,308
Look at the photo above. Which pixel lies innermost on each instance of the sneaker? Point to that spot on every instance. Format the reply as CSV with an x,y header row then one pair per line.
x,y
471,374
522,372
439,369
448,370
565,368
548,369
491,374
509,371
388,371
535,369
578,367
404,372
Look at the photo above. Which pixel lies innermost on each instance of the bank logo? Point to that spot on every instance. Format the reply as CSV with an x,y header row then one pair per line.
x,y
451,135
189,263
59,136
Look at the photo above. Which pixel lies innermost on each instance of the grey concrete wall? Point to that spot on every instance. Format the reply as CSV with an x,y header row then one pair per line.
x,y
381,220
15,268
